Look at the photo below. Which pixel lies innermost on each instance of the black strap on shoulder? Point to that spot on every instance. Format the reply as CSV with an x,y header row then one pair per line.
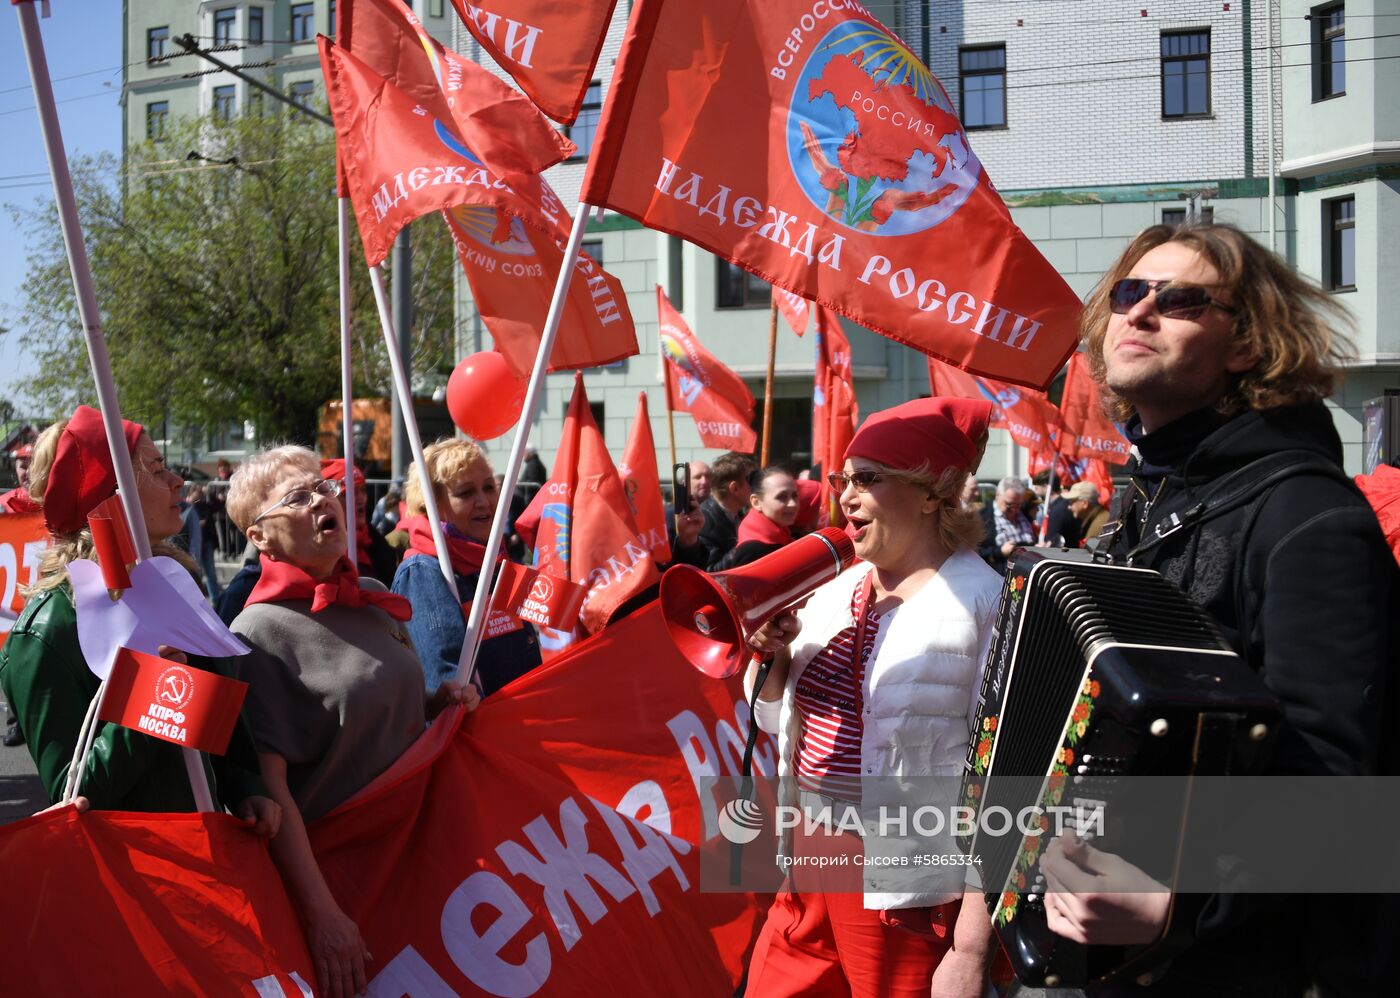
x,y
1238,489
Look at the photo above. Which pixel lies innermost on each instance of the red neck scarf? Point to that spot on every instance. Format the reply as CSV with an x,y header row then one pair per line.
x,y
466,554
757,527
362,545
281,580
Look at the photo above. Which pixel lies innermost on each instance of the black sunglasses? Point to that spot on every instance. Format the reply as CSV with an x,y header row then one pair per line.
x,y
859,480
1173,301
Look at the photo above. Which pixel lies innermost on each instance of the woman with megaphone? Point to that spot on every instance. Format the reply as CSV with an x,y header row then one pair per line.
x,y
872,691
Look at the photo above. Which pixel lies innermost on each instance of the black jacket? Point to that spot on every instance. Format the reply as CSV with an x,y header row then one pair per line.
x,y
720,532
1064,529
1305,590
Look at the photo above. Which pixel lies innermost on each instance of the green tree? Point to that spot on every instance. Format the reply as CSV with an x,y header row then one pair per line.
x,y
214,257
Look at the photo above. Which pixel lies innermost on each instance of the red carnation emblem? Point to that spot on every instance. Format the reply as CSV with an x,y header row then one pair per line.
x,y
1081,712
984,747
991,724
833,179
1069,752
1094,689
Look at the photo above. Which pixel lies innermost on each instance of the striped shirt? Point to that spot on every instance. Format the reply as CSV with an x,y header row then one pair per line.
x,y
828,700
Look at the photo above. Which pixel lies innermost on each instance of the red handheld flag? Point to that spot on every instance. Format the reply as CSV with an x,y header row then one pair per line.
x,y
498,123
511,263
794,308
715,396
183,704
643,483
1027,415
834,411
550,48
818,153
1088,432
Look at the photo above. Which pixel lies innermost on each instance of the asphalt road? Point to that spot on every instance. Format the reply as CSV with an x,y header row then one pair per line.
x,y
21,794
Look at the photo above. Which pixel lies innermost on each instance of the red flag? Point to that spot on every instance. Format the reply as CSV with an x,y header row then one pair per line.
x,y
818,153
1027,415
550,48
179,703
794,309
1088,432
580,525
643,483
834,410
23,538
511,262
399,161
498,123
544,600
700,385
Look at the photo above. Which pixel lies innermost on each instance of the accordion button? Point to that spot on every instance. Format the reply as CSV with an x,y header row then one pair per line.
x,y
1159,727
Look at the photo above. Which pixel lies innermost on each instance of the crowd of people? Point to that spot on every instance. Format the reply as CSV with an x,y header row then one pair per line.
x,y
1214,354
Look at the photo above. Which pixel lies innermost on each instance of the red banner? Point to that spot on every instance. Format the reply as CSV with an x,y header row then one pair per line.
x,y
810,146
549,845
550,48
1088,432
192,707
1030,417
497,122
642,481
511,258
794,309
23,538
699,384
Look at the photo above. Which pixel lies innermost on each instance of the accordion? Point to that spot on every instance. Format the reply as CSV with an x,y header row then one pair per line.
x,y
1098,674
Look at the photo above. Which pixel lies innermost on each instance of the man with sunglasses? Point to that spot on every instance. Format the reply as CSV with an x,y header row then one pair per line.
x,y
1218,357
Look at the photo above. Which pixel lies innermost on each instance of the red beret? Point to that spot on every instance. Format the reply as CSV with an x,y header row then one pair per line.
x,y
82,474
941,433
336,469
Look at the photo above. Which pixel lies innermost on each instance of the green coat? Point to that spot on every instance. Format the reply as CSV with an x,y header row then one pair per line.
x,y
49,686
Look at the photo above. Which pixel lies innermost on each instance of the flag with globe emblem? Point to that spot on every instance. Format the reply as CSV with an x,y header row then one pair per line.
x,y
805,142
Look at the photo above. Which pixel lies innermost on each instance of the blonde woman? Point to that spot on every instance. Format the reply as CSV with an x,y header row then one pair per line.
x,y
42,670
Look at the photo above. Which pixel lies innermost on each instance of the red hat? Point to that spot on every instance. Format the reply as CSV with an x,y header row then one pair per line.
x,y
23,450
82,474
336,469
938,432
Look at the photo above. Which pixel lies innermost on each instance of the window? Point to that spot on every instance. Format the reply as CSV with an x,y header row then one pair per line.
x,y
156,41
735,287
157,112
982,81
301,93
1329,51
223,102
435,8
253,104
1340,265
586,124
332,31
255,26
223,25
1178,216
594,248
303,22
1185,74
598,409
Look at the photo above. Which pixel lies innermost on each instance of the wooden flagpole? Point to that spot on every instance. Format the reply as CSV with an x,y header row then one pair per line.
x,y
670,412
347,389
768,384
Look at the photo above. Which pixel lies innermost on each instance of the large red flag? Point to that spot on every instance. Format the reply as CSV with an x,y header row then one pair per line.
x,y
1030,417
834,409
580,526
23,538
643,484
399,161
1088,432
498,123
809,145
700,385
511,262
550,48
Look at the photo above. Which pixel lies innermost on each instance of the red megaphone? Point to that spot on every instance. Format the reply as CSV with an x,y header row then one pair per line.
x,y
710,617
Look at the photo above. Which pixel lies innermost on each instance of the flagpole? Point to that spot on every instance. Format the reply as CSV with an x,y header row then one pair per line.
x,y
768,384
97,351
347,423
670,412
1049,491
410,420
466,662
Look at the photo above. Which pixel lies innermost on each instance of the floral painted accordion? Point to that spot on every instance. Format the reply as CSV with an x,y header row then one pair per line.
x,y
1100,676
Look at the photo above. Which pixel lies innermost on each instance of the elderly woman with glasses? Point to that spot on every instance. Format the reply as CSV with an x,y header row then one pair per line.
x,y
873,689
45,677
336,692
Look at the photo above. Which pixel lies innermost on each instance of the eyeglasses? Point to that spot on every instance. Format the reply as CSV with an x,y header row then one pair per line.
x,y
1173,301
858,480
301,498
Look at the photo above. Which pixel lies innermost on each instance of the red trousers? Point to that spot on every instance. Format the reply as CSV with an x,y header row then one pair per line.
x,y
820,944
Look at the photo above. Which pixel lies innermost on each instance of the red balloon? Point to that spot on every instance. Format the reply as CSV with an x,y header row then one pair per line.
x,y
484,397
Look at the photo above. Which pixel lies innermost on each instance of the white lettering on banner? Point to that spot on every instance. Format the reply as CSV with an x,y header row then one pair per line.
x,y
704,762
644,861
806,24
407,975
604,304
615,568
166,729
393,192
514,40
271,987
960,306
716,428
9,568
478,955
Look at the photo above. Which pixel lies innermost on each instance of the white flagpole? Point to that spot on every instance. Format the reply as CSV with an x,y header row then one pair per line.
x,y
347,388
96,344
466,663
410,419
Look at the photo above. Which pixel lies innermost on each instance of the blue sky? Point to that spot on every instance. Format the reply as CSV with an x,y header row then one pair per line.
x,y
83,41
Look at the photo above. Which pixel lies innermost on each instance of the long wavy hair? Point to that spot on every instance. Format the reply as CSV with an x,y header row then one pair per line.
x,y
1290,324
